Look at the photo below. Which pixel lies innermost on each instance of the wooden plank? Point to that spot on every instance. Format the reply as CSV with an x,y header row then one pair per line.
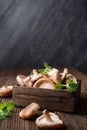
x,y
61,100
77,121
41,92
47,104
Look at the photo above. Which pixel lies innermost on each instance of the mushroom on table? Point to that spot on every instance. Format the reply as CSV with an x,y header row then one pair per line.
x,y
29,111
6,91
49,120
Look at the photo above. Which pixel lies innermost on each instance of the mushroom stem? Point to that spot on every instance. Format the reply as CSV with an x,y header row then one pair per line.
x,y
26,79
35,71
47,116
65,72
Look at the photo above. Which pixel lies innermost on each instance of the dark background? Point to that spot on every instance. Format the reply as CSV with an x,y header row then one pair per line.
x,y
34,31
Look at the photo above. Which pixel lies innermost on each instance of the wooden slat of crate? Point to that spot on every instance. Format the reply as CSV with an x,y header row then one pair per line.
x,y
53,100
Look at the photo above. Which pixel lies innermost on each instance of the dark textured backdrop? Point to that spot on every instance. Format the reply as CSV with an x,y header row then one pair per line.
x,y
34,31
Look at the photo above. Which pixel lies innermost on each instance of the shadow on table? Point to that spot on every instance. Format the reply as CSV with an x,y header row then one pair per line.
x,y
62,128
82,106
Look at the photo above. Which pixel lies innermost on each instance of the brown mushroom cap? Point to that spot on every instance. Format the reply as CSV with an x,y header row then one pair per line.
x,y
49,121
35,75
45,83
6,91
20,79
29,111
53,74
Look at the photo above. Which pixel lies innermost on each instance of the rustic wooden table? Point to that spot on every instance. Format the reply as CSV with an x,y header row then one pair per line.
x,y
77,121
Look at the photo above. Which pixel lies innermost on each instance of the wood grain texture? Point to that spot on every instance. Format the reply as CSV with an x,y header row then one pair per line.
x,y
53,100
32,32
76,121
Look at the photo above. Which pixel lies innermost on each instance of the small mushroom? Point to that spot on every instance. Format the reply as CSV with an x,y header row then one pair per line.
x,y
20,79
27,81
63,75
53,74
35,75
49,121
6,91
29,111
45,83
70,76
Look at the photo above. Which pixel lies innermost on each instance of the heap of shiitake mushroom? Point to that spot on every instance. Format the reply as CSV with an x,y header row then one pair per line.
x,y
40,80
47,79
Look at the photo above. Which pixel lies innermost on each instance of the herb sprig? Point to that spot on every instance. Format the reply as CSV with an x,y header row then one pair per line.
x,y
70,86
58,85
5,109
45,69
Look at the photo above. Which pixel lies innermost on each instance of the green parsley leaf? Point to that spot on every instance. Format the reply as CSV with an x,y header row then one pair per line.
x,y
45,64
10,105
5,109
2,105
2,115
71,86
45,69
58,85
42,71
7,112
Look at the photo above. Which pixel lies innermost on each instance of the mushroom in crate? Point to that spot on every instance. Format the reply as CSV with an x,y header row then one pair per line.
x,y
20,79
60,89
28,81
45,83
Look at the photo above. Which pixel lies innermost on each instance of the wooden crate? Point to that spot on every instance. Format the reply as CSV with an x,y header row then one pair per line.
x,y
53,100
